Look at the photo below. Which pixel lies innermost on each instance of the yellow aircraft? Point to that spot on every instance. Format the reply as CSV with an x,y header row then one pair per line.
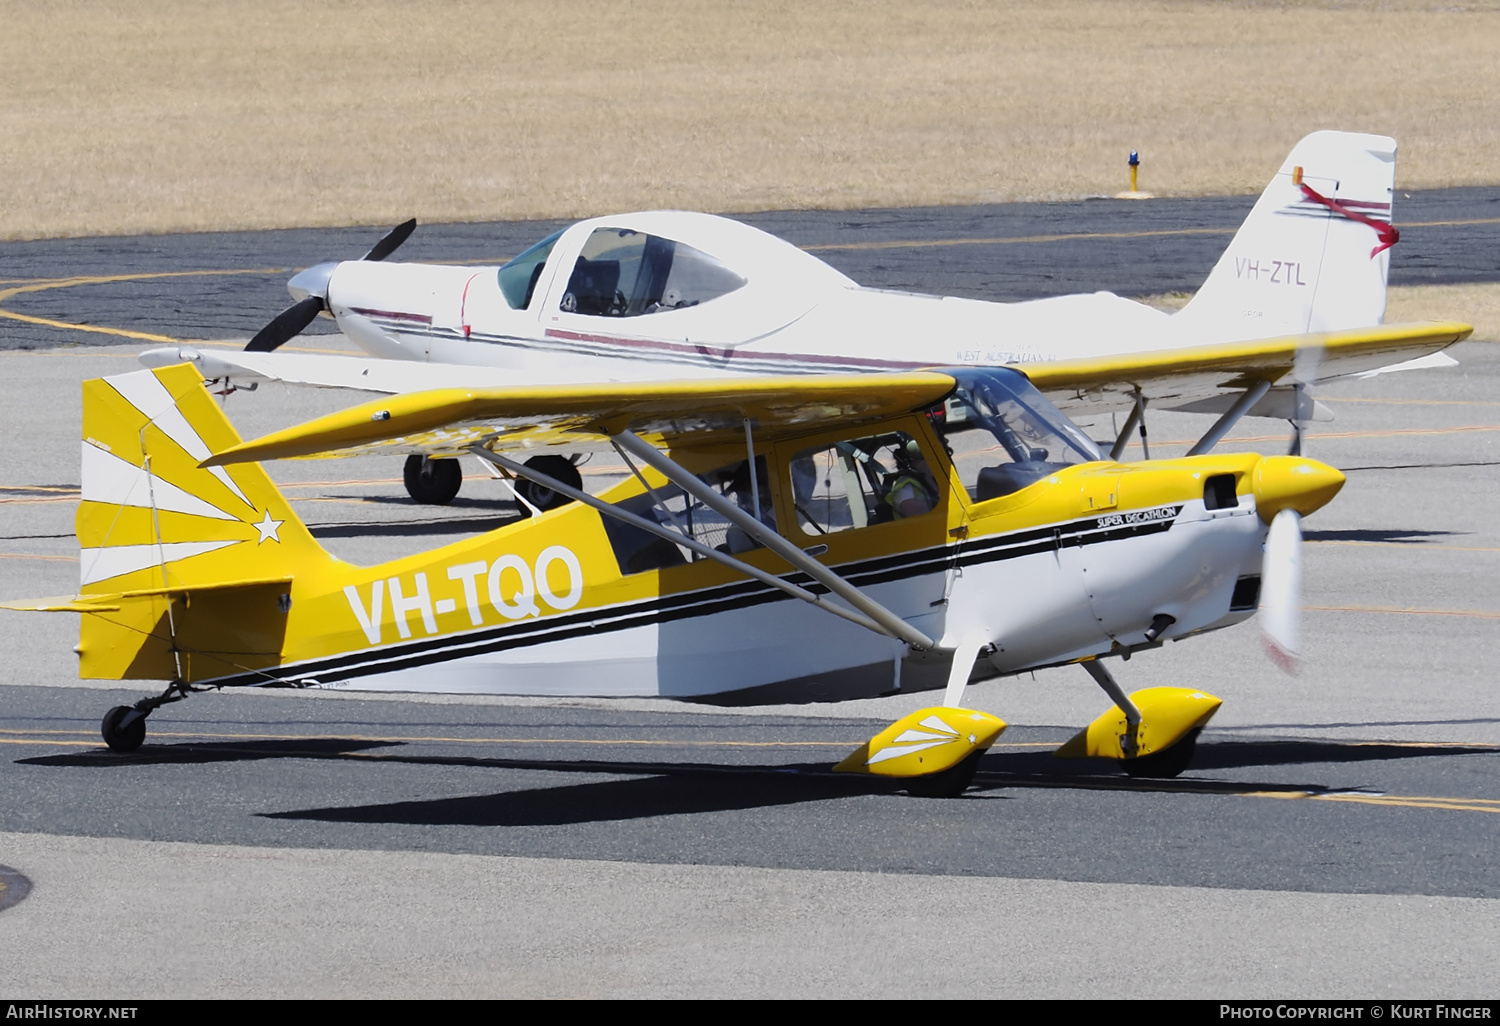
x,y
809,538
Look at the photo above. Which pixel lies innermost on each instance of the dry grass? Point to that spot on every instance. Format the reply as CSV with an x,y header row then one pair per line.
x,y
1478,305
167,116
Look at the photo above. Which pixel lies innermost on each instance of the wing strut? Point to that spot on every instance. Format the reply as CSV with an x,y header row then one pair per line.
x,y
890,623
1231,417
652,527
1123,438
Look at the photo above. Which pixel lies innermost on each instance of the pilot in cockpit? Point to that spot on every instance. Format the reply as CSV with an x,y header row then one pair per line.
x,y
908,492
736,539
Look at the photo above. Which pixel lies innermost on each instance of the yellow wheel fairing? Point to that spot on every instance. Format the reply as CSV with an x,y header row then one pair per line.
x,y
1167,715
927,741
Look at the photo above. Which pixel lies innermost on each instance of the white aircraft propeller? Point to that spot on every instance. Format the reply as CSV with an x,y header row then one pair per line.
x,y
1281,590
313,282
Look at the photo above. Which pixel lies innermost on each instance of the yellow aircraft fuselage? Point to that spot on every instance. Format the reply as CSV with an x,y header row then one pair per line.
x,y
208,577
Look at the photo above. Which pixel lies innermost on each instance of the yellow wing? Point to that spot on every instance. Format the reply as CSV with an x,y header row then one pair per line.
x,y
448,421
1179,378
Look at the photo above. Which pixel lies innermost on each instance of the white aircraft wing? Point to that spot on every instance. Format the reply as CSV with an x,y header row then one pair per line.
x,y
360,373
1208,379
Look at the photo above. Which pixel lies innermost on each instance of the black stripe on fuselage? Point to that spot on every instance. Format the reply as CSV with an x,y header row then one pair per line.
x,y
710,601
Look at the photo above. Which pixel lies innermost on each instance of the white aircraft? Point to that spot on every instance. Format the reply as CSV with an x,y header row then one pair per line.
x,y
672,294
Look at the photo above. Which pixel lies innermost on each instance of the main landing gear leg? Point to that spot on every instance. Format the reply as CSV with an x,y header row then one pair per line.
x,y
1103,678
1169,741
124,726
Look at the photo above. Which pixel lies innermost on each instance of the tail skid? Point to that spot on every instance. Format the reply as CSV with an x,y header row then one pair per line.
x,y
1314,254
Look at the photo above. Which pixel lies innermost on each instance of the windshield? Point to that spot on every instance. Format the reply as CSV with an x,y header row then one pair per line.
x,y
519,277
1008,435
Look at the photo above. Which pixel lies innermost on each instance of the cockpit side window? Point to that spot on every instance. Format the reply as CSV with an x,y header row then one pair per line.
x,y
625,273
519,277
862,481
637,550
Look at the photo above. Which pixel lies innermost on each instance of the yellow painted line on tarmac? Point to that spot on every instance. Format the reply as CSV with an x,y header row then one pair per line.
x,y
1311,437
1004,240
1490,805
1479,614
1442,224
1391,432
144,336
24,555
104,279
1413,402
51,744
1009,240
45,284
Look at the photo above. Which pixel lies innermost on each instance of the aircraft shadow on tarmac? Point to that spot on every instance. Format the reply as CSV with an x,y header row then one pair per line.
x,y
669,788
1414,537
1422,466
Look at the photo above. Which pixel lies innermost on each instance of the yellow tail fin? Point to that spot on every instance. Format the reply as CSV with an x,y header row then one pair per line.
x,y
191,554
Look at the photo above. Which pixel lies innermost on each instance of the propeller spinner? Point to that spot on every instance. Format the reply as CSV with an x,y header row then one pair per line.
x,y
311,286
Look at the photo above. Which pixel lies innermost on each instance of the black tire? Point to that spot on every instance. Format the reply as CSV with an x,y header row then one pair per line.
x,y
1167,763
559,468
950,783
432,482
122,739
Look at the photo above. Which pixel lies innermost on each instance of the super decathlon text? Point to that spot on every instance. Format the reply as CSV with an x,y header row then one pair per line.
x,y
69,1012
512,587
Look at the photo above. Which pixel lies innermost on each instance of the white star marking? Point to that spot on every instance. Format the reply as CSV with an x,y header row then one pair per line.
x,y
268,528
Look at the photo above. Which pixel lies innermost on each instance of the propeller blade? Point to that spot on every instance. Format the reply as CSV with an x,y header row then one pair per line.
x,y
286,325
393,238
1281,591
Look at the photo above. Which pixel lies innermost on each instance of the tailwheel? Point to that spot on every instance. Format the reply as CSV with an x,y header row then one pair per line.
x,y
432,482
1167,763
949,783
124,728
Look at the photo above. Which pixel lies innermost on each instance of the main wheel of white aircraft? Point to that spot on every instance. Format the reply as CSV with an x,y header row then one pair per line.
x,y
1167,763
292,321
122,739
432,482
559,468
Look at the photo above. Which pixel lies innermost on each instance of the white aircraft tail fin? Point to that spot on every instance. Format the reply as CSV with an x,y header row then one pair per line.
x,y
1315,251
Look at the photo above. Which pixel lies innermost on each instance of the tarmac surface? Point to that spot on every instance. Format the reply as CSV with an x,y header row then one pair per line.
x,y
1332,839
